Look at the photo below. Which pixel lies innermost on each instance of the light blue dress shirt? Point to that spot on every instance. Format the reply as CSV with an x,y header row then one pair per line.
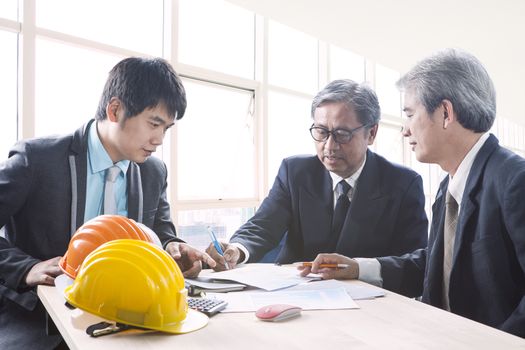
x,y
98,162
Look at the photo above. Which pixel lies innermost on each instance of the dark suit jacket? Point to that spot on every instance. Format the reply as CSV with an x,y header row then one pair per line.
x,y
487,281
386,214
42,202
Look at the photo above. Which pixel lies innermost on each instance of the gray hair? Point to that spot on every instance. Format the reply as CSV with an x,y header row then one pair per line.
x,y
459,77
359,97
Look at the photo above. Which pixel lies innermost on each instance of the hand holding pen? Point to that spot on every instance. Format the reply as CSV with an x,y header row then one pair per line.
x,y
331,266
218,250
322,265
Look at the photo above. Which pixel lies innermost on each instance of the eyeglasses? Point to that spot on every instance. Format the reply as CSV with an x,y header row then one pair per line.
x,y
340,136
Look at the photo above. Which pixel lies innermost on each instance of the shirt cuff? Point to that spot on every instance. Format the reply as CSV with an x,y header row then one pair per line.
x,y
244,250
370,271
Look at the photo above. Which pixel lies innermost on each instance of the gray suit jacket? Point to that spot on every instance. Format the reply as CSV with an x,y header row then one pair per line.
x,y
42,202
386,215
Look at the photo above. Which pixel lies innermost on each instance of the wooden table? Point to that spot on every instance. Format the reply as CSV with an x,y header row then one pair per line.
x,y
390,322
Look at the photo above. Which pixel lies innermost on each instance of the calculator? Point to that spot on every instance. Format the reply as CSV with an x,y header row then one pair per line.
x,y
208,306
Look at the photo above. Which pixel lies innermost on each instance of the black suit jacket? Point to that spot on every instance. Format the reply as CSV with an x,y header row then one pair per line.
x,y
386,214
42,202
487,281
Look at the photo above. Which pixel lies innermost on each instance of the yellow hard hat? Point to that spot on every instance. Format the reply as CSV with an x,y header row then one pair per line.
x,y
136,283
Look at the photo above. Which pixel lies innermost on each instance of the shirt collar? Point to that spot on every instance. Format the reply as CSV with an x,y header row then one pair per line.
x,y
352,180
457,183
99,159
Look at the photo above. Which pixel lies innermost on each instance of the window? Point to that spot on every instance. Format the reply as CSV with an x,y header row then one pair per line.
x,y
9,9
215,143
8,91
346,65
289,119
192,224
389,142
387,93
132,24
292,59
217,35
250,84
69,83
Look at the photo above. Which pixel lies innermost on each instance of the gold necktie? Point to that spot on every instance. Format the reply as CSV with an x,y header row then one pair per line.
x,y
451,221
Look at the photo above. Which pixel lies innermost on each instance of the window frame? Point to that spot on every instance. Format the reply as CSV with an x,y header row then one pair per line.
x,y
28,32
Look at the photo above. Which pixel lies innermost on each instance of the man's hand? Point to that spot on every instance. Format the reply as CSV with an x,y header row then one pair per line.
x,y
232,255
188,258
350,272
43,272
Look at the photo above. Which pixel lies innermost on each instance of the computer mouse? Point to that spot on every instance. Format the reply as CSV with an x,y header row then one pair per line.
x,y
277,312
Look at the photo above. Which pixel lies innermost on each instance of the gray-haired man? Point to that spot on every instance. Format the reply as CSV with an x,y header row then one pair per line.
x,y
346,199
474,264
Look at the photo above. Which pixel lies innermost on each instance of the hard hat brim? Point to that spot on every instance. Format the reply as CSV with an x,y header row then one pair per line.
x,y
194,320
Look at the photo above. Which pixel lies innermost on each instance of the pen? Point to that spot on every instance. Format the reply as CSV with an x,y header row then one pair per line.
x,y
330,266
217,246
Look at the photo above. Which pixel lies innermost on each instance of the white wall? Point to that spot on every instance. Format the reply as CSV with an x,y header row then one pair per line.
x,y
399,33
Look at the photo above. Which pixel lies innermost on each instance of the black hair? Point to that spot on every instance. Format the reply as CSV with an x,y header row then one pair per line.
x,y
141,83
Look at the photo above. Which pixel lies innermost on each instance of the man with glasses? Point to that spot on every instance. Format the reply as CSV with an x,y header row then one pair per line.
x,y
474,265
347,200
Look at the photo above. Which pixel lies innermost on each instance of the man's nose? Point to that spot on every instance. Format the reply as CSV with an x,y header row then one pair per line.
x,y
330,142
158,137
405,130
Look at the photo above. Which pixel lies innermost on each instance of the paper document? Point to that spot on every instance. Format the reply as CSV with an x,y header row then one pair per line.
x,y
356,291
207,284
326,299
265,276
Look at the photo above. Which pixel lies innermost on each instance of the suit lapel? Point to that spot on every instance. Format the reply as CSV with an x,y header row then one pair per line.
x,y
434,273
434,269
361,220
469,201
316,201
78,171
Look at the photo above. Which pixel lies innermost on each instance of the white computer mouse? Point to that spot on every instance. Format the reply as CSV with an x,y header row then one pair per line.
x,y
278,312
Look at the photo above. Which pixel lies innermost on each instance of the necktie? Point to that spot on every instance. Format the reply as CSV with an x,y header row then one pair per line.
x,y
451,221
110,202
341,207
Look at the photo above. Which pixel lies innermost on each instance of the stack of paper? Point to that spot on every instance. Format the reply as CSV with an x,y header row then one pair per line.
x,y
282,285
206,284
264,276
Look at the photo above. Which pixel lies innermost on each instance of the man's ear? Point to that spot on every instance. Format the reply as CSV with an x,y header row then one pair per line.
x,y
113,108
449,116
372,133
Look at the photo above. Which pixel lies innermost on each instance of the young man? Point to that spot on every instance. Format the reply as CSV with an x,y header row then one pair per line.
x,y
474,264
346,199
51,186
